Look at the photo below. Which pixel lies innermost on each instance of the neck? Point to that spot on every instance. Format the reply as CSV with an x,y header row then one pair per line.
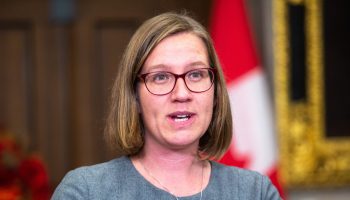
x,y
174,161
167,159
182,181
178,171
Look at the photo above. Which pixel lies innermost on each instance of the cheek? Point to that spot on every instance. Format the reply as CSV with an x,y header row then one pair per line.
x,y
142,99
210,109
149,105
208,105
211,100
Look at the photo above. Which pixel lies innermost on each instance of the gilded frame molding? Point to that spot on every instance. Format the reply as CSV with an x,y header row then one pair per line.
x,y
307,157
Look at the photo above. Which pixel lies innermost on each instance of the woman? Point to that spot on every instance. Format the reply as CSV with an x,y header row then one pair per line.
x,y
170,116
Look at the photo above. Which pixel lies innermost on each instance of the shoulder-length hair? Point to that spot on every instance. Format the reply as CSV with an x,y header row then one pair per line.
x,y
124,127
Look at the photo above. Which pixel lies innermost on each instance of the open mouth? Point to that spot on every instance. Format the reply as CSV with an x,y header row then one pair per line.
x,y
181,117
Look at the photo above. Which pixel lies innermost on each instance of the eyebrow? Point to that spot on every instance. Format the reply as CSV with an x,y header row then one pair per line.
x,y
196,64
162,66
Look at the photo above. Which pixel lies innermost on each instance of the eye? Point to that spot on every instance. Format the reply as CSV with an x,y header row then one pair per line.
x,y
159,77
197,75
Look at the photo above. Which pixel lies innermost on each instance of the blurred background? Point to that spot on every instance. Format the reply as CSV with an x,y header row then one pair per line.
x,y
58,59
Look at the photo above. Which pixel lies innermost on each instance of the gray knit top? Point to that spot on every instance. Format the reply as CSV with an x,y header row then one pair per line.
x,y
119,179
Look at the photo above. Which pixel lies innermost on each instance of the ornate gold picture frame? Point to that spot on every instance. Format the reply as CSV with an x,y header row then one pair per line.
x,y
308,157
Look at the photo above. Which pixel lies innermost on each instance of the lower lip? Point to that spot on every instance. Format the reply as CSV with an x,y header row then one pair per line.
x,y
181,124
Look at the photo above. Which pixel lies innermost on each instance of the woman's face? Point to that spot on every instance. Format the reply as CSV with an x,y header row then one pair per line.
x,y
176,120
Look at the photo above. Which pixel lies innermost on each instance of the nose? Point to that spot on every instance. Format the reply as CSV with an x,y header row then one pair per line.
x,y
180,91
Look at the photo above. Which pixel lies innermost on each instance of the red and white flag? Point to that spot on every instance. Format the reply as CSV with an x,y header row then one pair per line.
x,y
254,140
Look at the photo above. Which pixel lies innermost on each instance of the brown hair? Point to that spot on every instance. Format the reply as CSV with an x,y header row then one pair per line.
x,y
124,128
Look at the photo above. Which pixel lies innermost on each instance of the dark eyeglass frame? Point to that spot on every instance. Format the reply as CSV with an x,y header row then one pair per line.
x,y
177,76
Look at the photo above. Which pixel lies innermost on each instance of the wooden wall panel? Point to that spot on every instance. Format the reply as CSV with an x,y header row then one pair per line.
x,y
16,78
56,95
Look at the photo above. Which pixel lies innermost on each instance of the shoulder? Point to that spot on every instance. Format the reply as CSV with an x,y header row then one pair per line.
x,y
249,184
102,171
87,181
238,175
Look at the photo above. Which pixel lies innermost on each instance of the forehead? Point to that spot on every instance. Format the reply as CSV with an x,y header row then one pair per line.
x,y
179,50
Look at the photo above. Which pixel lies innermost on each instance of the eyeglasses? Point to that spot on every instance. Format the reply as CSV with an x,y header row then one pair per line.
x,y
162,83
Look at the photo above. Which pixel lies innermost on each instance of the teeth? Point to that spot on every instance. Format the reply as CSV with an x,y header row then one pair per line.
x,y
181,118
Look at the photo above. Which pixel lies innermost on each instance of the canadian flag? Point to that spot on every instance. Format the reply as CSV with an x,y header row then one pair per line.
x,y
254,143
